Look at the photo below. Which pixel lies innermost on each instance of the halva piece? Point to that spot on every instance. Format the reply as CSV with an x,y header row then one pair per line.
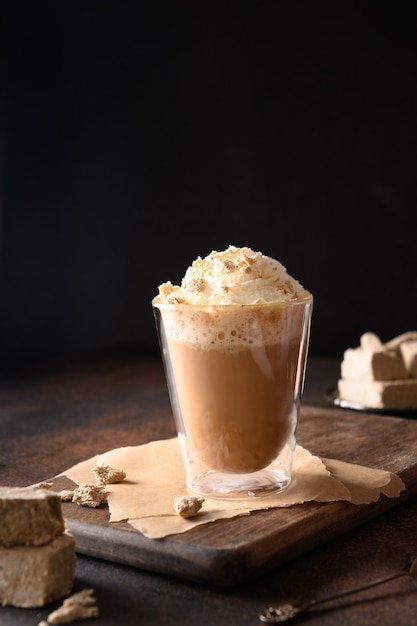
x,y
31,517
401,394
188,506
105,474
408,350
394,344
372,361
81,605
381,375
89,495
32,576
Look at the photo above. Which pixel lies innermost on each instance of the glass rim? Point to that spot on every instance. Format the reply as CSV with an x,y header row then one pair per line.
x,y
307,298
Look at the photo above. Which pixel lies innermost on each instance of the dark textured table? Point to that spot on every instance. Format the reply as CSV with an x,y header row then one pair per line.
x,y
54,416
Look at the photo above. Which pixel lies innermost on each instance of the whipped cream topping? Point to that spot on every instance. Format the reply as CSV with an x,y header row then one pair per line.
x,y
233,276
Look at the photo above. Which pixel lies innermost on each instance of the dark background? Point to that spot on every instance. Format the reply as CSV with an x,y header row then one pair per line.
x,y
135,138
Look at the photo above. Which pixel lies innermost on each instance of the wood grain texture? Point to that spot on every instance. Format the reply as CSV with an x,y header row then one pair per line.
x,y
53,417
228,552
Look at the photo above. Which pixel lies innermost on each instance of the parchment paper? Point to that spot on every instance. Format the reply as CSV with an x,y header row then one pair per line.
x,y
155,477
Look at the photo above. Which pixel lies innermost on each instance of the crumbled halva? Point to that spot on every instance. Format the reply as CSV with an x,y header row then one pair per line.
x,y
188,506
106,475
89,495
81,605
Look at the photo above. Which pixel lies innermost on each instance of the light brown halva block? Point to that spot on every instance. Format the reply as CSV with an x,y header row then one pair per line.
x,y
408,351
398,394
394,344
359,364
31,517
381,375
32,576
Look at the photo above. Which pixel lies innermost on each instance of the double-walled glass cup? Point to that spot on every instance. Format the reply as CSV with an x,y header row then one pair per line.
x,y
235,375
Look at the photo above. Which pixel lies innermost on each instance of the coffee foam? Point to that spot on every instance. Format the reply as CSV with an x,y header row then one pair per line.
x,y
231,328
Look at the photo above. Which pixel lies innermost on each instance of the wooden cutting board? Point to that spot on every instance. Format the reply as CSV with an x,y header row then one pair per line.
x,y
227,552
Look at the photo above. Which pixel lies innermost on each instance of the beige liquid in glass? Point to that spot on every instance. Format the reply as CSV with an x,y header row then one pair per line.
x,y
236,388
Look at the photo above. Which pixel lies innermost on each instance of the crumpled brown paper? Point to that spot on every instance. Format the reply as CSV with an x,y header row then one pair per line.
x,y
155,477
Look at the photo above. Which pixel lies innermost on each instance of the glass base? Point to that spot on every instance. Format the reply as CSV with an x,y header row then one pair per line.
x,y
222,485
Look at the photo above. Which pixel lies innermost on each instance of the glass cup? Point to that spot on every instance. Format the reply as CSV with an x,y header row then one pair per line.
x,y
235,376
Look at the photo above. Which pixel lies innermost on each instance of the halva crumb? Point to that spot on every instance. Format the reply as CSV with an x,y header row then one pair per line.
x,y
106,474
42,485
81,605
89,495
188,506
66,495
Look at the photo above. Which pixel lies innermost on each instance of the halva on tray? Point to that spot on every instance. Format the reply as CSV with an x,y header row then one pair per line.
x,y
381,375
